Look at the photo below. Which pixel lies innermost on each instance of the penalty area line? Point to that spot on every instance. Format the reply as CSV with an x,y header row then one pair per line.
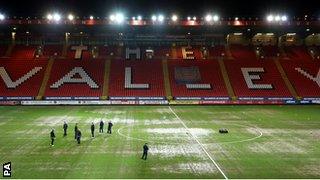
x,y
200,144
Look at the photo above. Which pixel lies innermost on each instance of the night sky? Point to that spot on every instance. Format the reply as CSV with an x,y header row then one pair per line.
x,y
226,8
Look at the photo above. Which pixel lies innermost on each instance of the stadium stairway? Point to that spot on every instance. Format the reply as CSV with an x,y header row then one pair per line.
x,y
166,79
285,78
174,52
228,52
282,52
106,77
45,79
65,50
226,79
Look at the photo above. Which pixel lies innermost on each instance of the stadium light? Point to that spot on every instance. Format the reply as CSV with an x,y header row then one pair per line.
x,y
133,18
139,18
277,18
91,17
215,18
49,17
70,17
160,18
56,17
208,18
154,18
194,18
174,18
117,17
2,17
188,18
284,18
270,18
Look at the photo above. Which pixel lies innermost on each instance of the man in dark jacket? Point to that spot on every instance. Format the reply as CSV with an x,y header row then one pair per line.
x,y
75,131
65,127
101,126
78,136
92,129
52,136
109,127
145,151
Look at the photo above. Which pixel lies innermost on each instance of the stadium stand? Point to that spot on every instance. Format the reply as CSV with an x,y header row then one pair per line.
x,y
23,51
21,80
147,77
204,74
241,52
266,80
85,79
304,76
299,53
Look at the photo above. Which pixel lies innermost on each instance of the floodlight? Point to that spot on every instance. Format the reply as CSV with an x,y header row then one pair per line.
x,y
119,17
189,18
154,18
160,18
277,18
284,18
270,18
91,17
139,18
174,18
112,17
2,17
49,17
208,18
133,18
70,17
215,18
194,18
56,17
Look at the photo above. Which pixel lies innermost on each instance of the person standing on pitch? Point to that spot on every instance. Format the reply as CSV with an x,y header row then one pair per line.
x,y
75,131
109,127
145,151
65,127
78,136
52,136
92,129
101,126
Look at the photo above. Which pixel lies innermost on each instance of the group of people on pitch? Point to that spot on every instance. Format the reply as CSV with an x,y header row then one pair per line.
x,y
77,132
77,135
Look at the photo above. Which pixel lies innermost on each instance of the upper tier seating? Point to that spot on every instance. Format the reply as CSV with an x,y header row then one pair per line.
x,y
240,52
23,51
299,53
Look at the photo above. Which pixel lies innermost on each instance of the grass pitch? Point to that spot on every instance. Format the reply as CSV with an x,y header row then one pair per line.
x,y
263,142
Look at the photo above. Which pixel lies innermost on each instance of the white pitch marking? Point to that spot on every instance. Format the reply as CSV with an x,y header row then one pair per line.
x,y
201,145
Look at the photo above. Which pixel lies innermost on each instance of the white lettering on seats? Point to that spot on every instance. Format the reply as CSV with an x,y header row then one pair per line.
x,y
250,77
187,53
69,78
198,86
13,84
309,76
135,52
79,50
128,81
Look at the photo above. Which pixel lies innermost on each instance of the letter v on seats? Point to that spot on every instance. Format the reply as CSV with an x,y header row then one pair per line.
x,y
14,84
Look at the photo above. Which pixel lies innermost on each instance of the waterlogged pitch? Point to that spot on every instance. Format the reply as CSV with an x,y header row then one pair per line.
x,y
184,142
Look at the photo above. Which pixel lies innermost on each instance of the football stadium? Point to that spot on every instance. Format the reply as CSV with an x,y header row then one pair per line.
x,y
198,95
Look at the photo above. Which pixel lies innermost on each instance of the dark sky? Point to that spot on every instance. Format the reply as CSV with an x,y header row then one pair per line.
x,y
226,8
